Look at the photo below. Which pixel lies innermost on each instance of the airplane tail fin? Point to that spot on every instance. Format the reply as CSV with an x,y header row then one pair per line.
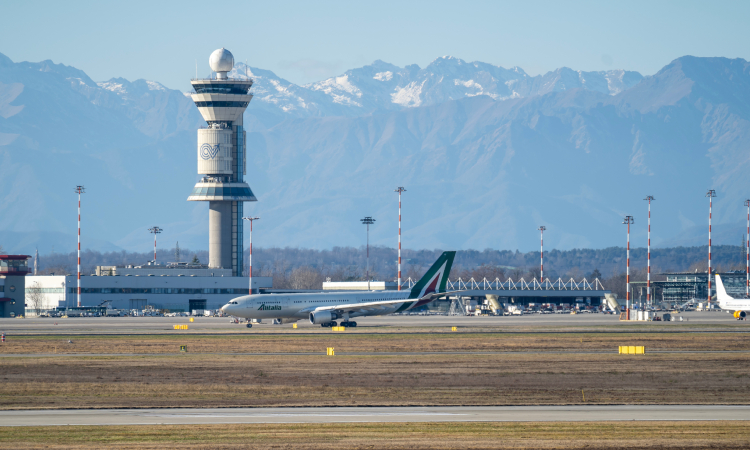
x,y
436,278
721,293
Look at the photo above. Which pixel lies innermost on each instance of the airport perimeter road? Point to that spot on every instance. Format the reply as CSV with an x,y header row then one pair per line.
x,y
157,325
370,414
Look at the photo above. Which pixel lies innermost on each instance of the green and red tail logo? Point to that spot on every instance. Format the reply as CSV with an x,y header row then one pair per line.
x,y
435,279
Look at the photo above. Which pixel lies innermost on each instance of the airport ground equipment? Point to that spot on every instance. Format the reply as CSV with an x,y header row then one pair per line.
x,y
222,100
79,190
710,194
250,254
401,190
632,350
648,272
629,221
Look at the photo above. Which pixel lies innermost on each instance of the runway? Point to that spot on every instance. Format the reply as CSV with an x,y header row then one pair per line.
x,y
222,325
172,416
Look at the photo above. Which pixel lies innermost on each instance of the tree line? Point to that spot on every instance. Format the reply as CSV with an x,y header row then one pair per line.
x,y
299,268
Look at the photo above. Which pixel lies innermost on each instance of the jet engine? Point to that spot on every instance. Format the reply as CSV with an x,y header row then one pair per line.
x,y
740,314
320,317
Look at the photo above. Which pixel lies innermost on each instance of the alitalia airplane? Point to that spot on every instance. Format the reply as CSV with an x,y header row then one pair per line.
x,y
326,308
739,306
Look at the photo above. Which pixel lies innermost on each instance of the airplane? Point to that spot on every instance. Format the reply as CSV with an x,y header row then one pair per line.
x,y
739,306
325,309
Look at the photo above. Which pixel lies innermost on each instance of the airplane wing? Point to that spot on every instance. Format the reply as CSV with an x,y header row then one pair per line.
x,y
371,306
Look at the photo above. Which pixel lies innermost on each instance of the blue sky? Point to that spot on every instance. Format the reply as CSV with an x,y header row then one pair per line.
x,y
306,41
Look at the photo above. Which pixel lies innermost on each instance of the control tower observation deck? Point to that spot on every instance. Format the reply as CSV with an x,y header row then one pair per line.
x,y
221,159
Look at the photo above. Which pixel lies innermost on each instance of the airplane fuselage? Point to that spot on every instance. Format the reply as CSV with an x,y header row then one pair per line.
x,y
299,306
735,305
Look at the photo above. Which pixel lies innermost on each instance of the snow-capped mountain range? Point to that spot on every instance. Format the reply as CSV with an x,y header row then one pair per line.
x,y
382,86
487,154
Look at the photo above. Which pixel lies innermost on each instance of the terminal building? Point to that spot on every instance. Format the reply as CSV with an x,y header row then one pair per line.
x,y
13,271
691,287
176,288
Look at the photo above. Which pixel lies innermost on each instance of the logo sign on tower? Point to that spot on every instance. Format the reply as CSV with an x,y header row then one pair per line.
x,y
209,151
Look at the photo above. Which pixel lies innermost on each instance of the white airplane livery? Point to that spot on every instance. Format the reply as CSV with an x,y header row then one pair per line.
x,y
326,308
739,306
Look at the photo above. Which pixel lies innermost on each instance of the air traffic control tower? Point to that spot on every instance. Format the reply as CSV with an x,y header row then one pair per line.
x,y
221,159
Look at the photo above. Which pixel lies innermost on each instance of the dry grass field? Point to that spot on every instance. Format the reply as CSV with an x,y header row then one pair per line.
x,y
378,342
538,369
473,435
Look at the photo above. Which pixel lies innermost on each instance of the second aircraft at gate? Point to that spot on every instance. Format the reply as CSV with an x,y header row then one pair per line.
x,y
739,306
326,308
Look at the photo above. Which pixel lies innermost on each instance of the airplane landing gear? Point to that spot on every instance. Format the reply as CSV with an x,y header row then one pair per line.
x,y
249,325
329,324
349,324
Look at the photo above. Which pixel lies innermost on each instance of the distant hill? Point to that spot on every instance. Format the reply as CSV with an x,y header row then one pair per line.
x,y
487,154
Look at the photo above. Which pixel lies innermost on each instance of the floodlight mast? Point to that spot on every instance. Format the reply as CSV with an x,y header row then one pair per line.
x,y
710,194
628,220
368,221
79,190
399,189
541,273
155,231
747,252
250,253
648,252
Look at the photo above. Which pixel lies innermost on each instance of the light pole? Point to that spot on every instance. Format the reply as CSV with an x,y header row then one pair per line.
x,y
368,221
747,252
80,190
250,254
648,272
628,220
710,194
399,189
155,231
541,274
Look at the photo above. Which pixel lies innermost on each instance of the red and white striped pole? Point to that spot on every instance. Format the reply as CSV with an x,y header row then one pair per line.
x,y
80,190
400,189
628,220
250,254
541,273
710,194
747,252
648,272
155,231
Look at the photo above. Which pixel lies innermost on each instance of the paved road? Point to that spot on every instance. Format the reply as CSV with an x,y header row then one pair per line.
x,y
369,414
150,325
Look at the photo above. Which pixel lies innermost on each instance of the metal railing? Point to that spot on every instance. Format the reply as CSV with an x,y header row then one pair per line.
x,y
520,285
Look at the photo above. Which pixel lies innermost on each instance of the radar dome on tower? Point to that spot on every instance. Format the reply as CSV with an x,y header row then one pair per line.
x,y
221,62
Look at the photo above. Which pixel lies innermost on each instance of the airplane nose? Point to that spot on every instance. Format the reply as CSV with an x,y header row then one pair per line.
x,y
224,308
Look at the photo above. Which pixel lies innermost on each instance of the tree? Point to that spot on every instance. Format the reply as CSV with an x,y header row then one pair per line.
x,y
177,252
35,297
195,260
595,274
306,278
